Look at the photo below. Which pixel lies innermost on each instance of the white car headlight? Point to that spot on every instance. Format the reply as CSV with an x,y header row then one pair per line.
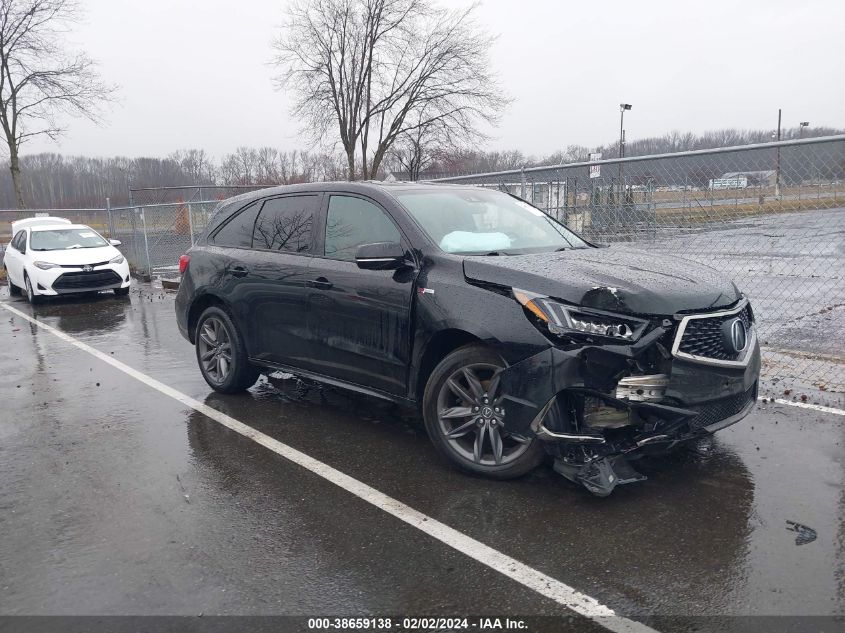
x,y
116,260
45,265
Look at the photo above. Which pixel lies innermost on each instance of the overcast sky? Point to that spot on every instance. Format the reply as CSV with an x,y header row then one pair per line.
x,y
195,74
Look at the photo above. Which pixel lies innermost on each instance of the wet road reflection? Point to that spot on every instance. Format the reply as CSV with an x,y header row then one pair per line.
x,y
705,534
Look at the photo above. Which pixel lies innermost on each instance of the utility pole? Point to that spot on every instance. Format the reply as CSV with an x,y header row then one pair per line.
x,y
777,161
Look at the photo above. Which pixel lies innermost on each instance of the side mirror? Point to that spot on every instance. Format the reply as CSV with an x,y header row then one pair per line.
x,y
380,256
115,242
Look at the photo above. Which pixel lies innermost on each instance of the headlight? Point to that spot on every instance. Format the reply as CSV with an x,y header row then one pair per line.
x,y
116,260
45,265
563,320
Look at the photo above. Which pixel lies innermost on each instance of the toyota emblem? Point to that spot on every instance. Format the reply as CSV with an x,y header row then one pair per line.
x,y
87,268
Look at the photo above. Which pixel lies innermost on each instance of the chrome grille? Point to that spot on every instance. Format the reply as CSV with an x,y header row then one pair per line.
x,y
699,337
703,337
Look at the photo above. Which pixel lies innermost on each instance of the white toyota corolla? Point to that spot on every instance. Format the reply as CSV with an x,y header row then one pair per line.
x,y
52,256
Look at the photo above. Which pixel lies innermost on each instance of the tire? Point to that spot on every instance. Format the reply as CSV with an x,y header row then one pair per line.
x,y
508,456
30,292
14,291
227,369
121,292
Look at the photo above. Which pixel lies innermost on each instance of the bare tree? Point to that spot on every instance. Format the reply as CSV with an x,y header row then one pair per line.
x,y
369,71
196,165
417,150
39,79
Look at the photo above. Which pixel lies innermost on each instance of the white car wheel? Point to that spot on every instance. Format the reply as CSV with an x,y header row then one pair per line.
x,y
30,293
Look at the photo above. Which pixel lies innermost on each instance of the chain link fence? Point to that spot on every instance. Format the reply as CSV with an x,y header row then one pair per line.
x,y
158,226
142,196
152,236
155,235
771,216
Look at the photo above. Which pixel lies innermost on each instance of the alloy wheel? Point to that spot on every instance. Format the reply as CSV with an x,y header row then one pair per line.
x,y
471,414
215,347
30,293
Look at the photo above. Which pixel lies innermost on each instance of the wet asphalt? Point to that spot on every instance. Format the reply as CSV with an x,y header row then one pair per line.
x,y
115,499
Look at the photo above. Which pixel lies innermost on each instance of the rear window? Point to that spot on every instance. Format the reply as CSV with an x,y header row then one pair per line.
x,y
65,239
284,224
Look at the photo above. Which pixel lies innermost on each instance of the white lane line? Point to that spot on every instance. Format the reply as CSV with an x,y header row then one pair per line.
x,y
527,576
806,405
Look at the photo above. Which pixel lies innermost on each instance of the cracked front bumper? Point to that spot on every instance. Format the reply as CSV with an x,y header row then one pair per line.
x,y
546,395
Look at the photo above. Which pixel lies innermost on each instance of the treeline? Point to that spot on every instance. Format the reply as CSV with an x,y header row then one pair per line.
x,y
54,181
57,181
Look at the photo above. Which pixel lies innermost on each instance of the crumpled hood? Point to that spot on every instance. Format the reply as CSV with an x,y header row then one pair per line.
x,y
77,256
618,279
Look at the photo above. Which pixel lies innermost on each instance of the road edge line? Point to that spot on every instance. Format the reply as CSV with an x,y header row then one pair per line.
x,y
804,405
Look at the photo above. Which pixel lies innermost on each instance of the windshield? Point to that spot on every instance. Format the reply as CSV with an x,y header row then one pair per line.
x,y
484,222
64,239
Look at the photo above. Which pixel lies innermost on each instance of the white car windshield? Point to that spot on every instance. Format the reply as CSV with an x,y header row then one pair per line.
x,y
484,222
65,239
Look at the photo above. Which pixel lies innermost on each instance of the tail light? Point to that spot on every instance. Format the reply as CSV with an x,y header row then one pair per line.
x,y
184,260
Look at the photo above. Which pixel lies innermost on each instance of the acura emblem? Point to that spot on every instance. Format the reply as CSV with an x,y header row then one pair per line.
x,y
87,268
738,336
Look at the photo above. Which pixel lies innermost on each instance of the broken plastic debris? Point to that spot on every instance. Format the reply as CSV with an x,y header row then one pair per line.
x,y
805,534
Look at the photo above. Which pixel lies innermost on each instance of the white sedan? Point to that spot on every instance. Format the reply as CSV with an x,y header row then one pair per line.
x,y
52,256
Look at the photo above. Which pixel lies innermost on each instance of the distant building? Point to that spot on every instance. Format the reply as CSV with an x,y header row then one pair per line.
x,y
728,182
744,179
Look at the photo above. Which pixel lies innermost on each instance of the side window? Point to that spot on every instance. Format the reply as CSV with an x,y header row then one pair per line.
x,y
284,224
351,222
237,232
19,242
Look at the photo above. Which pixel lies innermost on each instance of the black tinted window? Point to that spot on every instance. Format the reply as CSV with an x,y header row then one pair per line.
x,y
237,232
284,224
352,222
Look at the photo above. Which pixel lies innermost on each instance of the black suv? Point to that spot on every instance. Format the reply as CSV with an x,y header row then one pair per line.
x,y
516,337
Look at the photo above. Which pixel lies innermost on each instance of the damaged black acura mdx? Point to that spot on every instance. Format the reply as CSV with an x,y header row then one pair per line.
x,y
516,337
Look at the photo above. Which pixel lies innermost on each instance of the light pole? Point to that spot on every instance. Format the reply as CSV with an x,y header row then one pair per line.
x,y
801,127
622,108
777,162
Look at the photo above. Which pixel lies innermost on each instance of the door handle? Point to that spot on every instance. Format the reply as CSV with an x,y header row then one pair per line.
x,y
321,283
239,271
